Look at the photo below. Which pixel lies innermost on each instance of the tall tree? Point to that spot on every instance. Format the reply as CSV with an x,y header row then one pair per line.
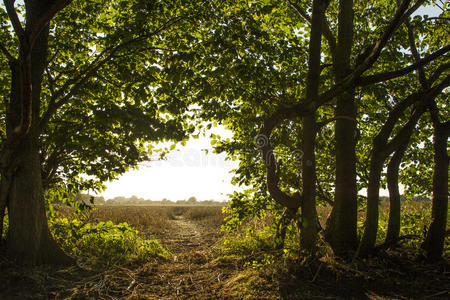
x,y
341,230
21,187
99,92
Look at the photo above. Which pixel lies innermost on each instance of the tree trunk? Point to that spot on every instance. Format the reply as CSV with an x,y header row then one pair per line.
x,y
341,227
373,195
434,242
393,230
309,213
29,240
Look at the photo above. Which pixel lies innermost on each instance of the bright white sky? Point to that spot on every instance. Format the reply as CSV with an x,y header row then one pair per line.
x,y
186,172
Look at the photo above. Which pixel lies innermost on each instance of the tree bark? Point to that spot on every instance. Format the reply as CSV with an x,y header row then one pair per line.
x,y
341,230
380,152
29,240
373,196
393,230
309,213
434,241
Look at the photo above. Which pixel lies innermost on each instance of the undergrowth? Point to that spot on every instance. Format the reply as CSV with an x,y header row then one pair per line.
x,y
105,243
262,265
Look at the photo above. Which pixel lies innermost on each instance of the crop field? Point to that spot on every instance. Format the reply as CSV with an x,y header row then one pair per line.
x,y
154,220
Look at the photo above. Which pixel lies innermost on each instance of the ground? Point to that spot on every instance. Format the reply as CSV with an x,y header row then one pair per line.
x,y
198,270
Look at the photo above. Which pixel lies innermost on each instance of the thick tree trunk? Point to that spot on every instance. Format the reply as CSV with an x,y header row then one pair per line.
x,y
29,240
341,227
393,230
342,234
434,242
309,213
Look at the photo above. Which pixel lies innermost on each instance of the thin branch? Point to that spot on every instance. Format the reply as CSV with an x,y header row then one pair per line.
x,y
51,81
107,80
6,52
435,18
438,72
328,34
412,45
440,7
18,29
405,132
144,49
399,17
432,106
371,79
78,83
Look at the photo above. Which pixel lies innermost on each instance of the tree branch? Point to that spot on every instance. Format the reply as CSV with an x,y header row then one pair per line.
x,y
421,98
438,72
46,17
416,55
327,33
292,202
6,52
18,29
399,17
327,121
371,79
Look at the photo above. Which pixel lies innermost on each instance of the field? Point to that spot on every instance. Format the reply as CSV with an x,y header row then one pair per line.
x,y
203,262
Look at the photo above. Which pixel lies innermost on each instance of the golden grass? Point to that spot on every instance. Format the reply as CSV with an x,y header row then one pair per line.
x,y
151,220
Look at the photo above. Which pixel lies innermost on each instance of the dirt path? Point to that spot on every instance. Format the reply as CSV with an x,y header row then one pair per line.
x,y
190,273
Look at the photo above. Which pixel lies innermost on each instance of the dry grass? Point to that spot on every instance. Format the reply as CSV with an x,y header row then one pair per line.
x,y
152,220
205,215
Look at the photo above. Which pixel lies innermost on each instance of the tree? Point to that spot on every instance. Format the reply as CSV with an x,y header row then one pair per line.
x,y
192,200
98,86
21,186
253,70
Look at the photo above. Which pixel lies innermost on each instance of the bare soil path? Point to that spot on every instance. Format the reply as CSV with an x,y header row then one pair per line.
x,y
190,274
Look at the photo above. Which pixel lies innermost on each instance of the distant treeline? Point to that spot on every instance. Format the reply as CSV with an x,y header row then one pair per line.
x,y
134,200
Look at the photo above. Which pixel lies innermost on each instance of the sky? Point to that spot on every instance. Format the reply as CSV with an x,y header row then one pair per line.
x,y
188,171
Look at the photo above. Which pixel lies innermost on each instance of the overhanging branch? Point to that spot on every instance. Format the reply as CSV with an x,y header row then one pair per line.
x,y
368,80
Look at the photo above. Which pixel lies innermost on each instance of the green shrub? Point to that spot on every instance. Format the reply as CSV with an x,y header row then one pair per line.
x,y
105,242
